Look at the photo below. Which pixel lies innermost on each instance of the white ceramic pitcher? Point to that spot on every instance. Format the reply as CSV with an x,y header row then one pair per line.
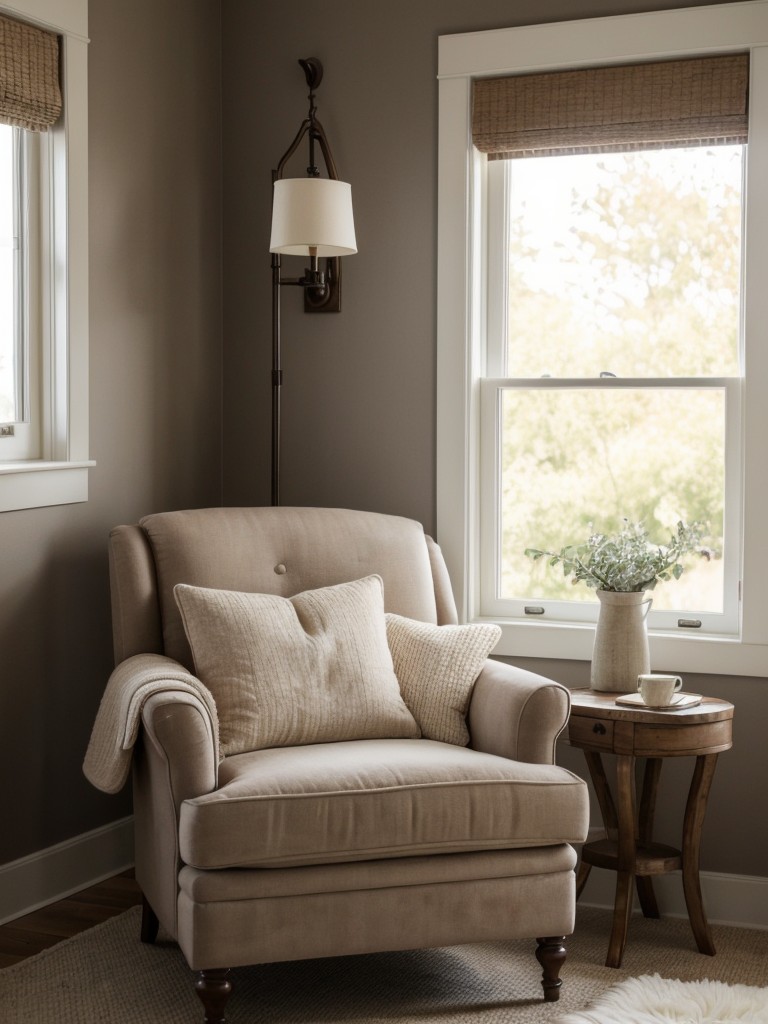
x,y
621,652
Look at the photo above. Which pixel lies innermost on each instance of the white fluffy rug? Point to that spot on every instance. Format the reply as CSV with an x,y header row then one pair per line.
x,y
657,1000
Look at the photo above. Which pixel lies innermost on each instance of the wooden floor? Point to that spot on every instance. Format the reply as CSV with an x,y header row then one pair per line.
x,y
43,928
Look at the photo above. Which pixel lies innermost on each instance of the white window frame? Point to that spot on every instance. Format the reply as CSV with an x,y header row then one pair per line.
x,y
495,187
60,474
26,442
461,313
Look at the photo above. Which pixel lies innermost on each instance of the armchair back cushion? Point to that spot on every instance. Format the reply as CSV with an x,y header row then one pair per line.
x,y
281,551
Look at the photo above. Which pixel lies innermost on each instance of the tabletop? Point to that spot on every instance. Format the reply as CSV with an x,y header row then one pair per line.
x,y
600,704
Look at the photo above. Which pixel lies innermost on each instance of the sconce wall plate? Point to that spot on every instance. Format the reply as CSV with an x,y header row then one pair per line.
x,y
328,300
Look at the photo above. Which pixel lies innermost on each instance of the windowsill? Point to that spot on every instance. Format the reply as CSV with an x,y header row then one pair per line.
x,y
705,654
39,483
41,466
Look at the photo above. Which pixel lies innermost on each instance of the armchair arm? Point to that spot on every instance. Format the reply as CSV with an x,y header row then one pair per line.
x,y
132,684
517,714
175,759
180,729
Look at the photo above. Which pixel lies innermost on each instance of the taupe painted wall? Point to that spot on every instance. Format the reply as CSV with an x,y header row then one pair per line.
x,y
359,396
155,399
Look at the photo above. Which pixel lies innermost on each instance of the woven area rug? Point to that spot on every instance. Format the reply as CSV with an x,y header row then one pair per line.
x,y
656,1000
107,976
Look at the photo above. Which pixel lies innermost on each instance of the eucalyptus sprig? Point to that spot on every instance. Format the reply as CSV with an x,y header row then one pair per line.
x,y
624,562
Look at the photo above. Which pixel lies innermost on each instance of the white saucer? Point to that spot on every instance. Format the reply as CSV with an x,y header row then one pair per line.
x,y
679,701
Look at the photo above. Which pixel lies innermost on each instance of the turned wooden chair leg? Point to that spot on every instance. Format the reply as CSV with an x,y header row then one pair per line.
x,y
149,922
550,953
214,989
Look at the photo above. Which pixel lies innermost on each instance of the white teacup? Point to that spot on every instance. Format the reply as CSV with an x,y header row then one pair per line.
x,y
657,690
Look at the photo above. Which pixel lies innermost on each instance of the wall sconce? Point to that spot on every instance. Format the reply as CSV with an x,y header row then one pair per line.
x,y
312,217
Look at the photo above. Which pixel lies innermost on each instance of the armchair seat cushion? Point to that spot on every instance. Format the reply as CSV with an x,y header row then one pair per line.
x,y
373,799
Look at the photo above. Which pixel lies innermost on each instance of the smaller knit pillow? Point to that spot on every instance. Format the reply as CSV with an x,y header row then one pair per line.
x,y
314,668
436,667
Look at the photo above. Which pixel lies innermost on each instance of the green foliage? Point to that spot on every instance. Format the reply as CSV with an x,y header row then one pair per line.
x,y
625,562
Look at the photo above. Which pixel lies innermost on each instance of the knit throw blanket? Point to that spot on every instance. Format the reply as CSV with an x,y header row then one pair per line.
x,y
108,758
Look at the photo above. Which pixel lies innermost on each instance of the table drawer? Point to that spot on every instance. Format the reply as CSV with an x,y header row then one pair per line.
x,y
682,740
591,732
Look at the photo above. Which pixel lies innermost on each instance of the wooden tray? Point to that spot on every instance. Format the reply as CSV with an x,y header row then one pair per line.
x,y
679,701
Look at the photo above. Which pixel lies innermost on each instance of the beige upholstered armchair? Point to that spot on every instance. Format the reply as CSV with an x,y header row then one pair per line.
x,y
310,828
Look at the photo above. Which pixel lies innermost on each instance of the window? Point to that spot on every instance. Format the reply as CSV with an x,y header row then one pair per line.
x,y
13,400
591,333
20,294
619,391
43,256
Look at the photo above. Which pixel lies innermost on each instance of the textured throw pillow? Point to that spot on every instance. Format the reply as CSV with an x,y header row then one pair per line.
x,y
313,668
436,667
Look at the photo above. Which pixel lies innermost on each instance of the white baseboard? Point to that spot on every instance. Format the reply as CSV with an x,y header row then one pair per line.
x,y
740,900
58,871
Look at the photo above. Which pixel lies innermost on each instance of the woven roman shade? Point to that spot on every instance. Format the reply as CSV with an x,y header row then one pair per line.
x,y
697,101
30,95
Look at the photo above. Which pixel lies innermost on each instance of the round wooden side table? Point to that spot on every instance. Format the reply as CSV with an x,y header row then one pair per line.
x,y
600,726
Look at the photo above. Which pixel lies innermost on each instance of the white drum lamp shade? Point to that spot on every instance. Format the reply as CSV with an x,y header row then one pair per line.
x,y
312,217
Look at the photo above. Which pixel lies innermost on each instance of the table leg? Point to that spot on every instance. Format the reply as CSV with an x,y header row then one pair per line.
x,y
607,809
644,883
602,792
694,819
625,875
581,877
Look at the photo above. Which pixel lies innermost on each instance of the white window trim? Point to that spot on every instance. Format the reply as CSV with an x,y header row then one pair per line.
x,y
461,313
61,476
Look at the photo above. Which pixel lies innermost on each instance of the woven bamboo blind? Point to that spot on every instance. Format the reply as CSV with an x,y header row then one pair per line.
x,y
30,96
697,101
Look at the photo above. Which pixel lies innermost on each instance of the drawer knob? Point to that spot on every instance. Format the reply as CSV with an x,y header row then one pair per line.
x,y
599,728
